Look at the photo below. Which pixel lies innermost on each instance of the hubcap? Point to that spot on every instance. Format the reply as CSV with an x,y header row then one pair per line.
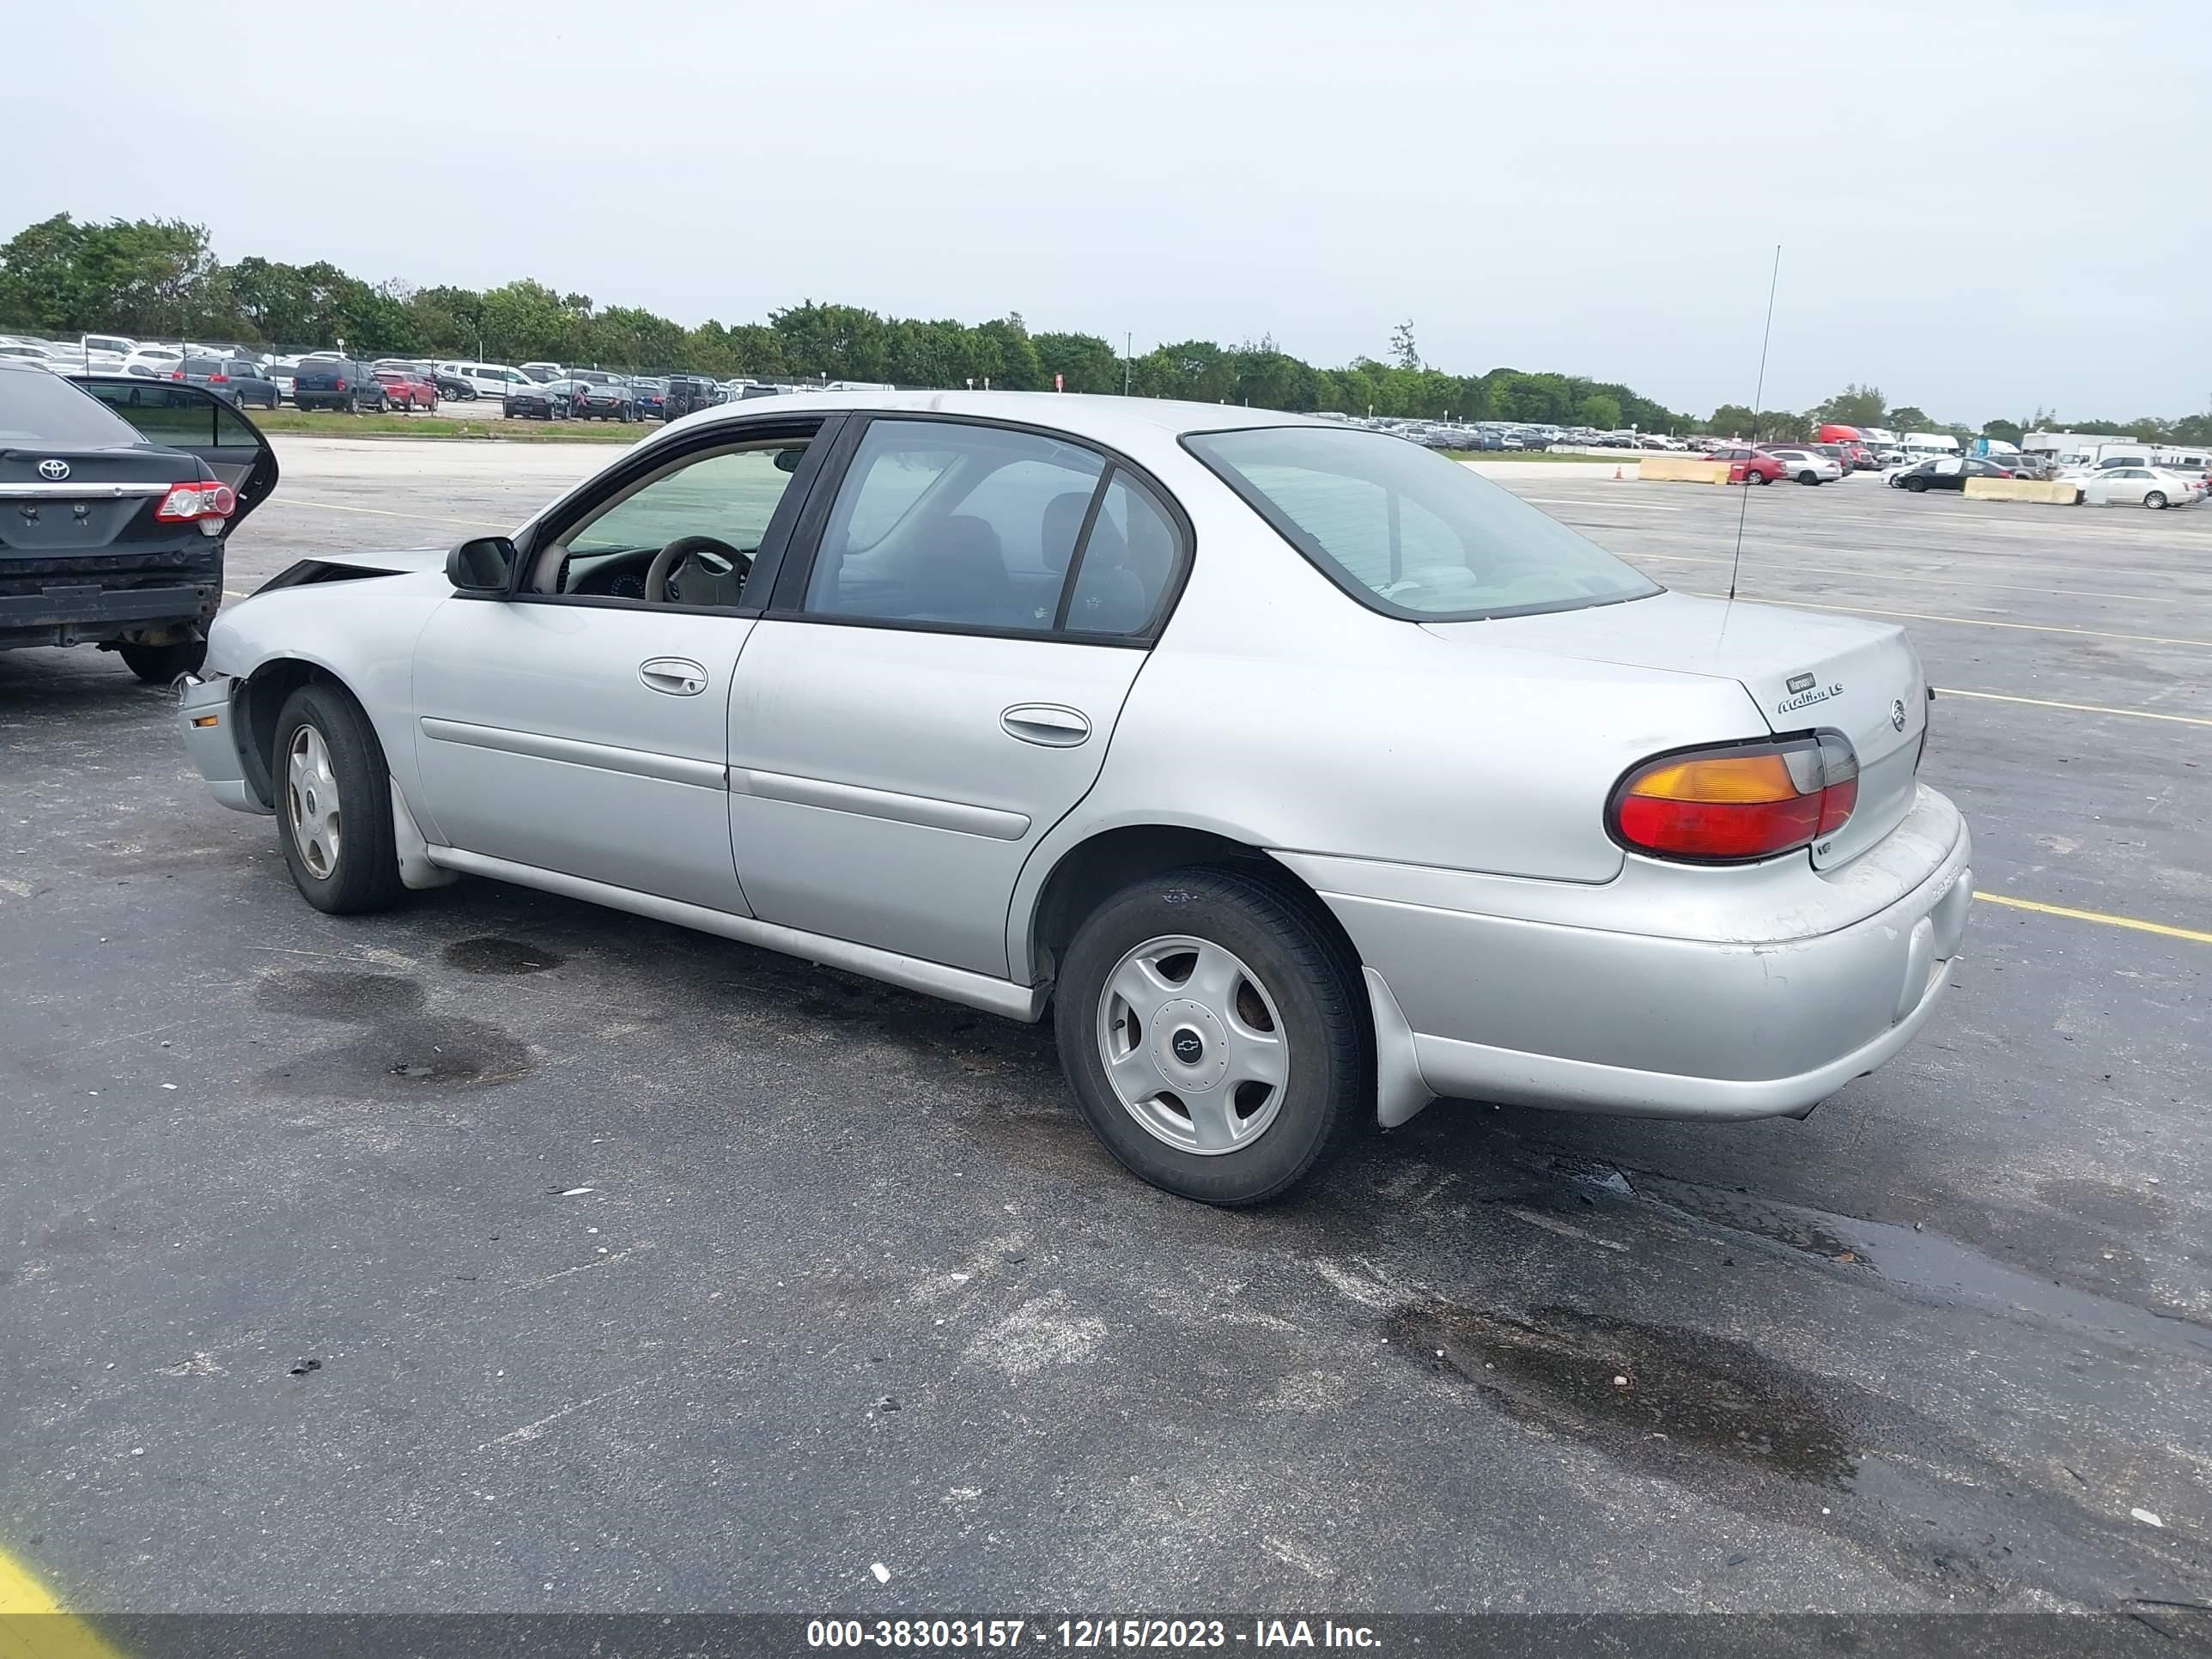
x,y
311,802
1193,1045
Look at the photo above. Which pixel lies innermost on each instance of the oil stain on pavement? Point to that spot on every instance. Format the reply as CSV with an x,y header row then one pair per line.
x,y
400,1050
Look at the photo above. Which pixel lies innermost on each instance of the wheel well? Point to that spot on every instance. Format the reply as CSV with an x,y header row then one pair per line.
x,y
1089,874
259,707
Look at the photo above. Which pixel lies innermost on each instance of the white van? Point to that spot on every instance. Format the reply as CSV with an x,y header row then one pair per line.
x,y
1919,445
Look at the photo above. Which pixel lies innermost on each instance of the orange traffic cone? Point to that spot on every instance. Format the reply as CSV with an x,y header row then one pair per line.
x,y
1618,476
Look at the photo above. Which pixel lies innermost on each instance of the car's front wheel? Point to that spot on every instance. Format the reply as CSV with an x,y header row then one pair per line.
x,y
334,803
1212,1030
1916,486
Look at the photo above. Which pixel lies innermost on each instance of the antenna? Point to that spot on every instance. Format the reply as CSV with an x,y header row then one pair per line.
x,y
1757,399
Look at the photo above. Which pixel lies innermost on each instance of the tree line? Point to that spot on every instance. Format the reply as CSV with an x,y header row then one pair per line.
x,y
160,278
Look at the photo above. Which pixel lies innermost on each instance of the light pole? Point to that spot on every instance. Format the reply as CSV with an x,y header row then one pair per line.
x,y
1129,359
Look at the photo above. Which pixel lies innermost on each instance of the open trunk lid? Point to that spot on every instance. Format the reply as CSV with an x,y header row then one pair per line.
x,y
1807,673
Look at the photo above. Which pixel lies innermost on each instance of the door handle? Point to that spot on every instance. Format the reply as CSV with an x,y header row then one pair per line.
x,y
1054,725
677,676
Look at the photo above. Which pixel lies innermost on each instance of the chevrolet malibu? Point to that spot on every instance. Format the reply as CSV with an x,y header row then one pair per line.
x,y
1299,773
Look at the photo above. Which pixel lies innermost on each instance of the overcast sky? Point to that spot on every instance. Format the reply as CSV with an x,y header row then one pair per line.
x,y
1981,207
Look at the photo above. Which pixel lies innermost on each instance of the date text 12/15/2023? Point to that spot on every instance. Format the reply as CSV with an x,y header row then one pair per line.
x,y
1003,1635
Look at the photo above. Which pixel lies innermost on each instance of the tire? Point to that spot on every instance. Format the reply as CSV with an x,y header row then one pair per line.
x,y
346,406
1918,486
1272,968
1808,477
347,864
1757,478
2155,500
157,665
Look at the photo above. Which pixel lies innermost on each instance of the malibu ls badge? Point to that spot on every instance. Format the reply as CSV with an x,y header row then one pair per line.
x,y
1805,690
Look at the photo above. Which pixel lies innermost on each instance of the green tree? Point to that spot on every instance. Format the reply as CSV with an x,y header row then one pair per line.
x,y
1855,405
1734,420
1083,362
1403,352
1602,410
1909,419
2007,430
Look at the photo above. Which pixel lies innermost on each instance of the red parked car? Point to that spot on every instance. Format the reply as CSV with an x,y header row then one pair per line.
x,y
1748,467
405,390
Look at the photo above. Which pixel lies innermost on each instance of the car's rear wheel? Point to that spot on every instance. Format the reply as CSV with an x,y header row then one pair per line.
x,y
2155,498
334,803
1758,478
1213,1033
157,665
1808,477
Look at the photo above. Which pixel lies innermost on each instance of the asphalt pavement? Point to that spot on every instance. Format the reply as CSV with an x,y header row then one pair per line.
x,y
505,1253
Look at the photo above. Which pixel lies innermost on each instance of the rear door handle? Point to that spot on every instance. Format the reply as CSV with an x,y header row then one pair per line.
x,y
677,676
1052,724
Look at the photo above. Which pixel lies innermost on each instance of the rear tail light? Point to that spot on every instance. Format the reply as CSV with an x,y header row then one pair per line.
x,y
189,503
176,373
340,385
1737,802
218,380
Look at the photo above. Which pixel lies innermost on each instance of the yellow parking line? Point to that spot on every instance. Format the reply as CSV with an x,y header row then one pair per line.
x,y
1967,622
32,1625
387,512
2158,927
2079,708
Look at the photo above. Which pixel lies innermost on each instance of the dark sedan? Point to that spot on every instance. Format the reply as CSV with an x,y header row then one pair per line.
x,y
239,378
551,401
613,401
649,394
1945,473
119,493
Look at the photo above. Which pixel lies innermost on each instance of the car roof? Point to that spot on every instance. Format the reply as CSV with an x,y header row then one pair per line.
x,y
1105,418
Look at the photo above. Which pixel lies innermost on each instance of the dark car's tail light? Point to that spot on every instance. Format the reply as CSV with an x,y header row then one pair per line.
x,y
189,503
341,384
1739,801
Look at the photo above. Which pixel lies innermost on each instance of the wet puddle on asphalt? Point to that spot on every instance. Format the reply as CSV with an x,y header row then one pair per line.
x,y
1654,1387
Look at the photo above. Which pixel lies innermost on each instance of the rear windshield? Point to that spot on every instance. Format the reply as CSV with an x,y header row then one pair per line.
x,y
40,410
1408,533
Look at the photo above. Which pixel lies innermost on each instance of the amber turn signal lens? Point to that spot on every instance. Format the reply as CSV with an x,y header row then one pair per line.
x,y
1737,802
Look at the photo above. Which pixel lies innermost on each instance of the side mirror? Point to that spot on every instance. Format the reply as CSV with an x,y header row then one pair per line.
x,y
483,565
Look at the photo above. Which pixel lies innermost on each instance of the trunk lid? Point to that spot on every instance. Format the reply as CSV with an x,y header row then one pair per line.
x,y
105,496
1807,673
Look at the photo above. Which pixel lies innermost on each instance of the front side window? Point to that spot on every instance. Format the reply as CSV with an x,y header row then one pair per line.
x,y
1408,533
687,535
951,524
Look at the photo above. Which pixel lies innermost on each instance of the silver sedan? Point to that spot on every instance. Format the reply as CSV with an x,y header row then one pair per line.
x,y
1299,775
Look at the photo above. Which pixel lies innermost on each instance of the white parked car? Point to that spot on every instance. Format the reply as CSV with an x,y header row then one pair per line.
x,y
2139,486
1808,466
1297,773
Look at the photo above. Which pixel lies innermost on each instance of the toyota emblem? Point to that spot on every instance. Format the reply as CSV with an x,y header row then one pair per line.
x,y
1897,714
54,470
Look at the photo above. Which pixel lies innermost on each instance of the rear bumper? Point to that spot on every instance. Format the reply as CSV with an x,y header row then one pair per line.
x,y
70,614
208,716
1758,1018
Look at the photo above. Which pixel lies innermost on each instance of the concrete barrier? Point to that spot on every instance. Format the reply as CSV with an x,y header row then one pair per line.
x,y
1681,469
2052,494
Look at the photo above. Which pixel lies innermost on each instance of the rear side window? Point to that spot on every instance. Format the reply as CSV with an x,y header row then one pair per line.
x,y
966,525
1408,533
39,408
948,523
